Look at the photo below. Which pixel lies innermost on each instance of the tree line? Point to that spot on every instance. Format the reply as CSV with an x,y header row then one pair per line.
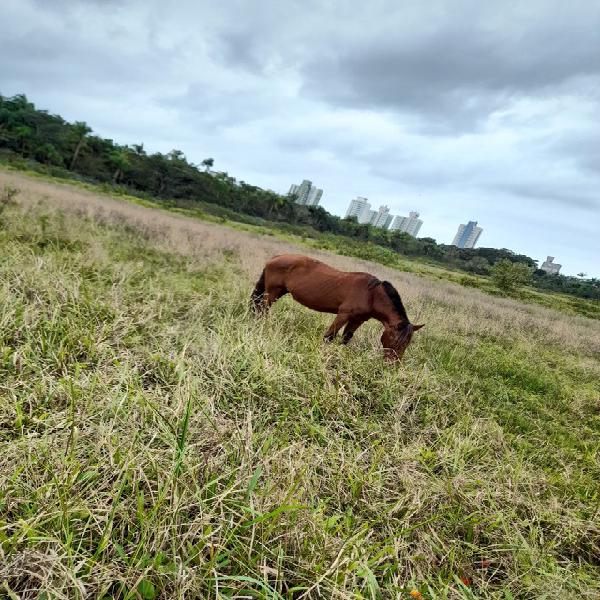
x,y
72,150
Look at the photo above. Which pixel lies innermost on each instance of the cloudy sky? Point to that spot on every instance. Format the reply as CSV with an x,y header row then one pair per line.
x,y
461,110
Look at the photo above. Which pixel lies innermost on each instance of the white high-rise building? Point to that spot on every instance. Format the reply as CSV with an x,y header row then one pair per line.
x,y
368,217
410,224
380,217
306,193
467,235
360,208
314,196
550,266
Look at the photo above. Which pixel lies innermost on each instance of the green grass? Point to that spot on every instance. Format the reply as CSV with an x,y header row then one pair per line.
x,y
159,441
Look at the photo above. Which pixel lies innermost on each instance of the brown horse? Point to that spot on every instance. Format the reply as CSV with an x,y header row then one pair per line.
x,y
353,297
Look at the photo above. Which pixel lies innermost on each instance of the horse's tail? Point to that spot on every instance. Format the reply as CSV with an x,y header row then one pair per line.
x,y
258,293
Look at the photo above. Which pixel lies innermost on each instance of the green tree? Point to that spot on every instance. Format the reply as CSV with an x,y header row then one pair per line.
x,y
275,203
508,275
119,160
24,137
80,130
48,154
208,163
4,133
177,156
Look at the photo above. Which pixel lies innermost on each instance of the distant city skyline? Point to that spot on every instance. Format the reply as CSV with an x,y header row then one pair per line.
x,y
467,235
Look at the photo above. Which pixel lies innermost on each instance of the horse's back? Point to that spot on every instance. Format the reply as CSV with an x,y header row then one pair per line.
x,y
302,265
290,261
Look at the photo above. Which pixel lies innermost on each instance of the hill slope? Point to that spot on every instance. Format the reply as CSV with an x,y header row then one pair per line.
x,y
161,442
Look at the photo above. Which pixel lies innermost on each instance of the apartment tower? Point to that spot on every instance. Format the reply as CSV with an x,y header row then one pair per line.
x,y
467,235
410,224
306,193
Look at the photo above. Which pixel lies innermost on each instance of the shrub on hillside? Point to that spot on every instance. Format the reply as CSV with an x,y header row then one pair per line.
x,y
468,281
508,275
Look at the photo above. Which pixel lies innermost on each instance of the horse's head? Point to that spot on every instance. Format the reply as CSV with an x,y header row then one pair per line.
x,y
396,338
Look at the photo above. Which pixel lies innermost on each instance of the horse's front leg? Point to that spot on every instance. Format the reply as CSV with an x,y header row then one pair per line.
x,y
338,323
353,325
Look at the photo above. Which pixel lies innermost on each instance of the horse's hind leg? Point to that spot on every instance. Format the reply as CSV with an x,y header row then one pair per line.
x,y
338,323
258,294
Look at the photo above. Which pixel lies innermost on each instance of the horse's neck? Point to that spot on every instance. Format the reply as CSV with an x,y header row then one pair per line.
x,y
384,309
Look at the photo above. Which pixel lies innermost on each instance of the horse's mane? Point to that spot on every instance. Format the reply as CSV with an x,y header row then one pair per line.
x,y
394,296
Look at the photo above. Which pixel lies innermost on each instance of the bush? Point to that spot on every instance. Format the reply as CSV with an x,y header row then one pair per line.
x,y
508,275
467,281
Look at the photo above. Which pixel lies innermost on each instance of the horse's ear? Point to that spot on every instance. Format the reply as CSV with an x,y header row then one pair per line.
x,y
417,327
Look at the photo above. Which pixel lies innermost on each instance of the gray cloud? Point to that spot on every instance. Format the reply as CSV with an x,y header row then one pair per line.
x,y
564,195
455,74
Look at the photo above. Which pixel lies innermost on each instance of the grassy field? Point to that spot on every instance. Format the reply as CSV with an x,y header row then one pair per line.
x,y
158,441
